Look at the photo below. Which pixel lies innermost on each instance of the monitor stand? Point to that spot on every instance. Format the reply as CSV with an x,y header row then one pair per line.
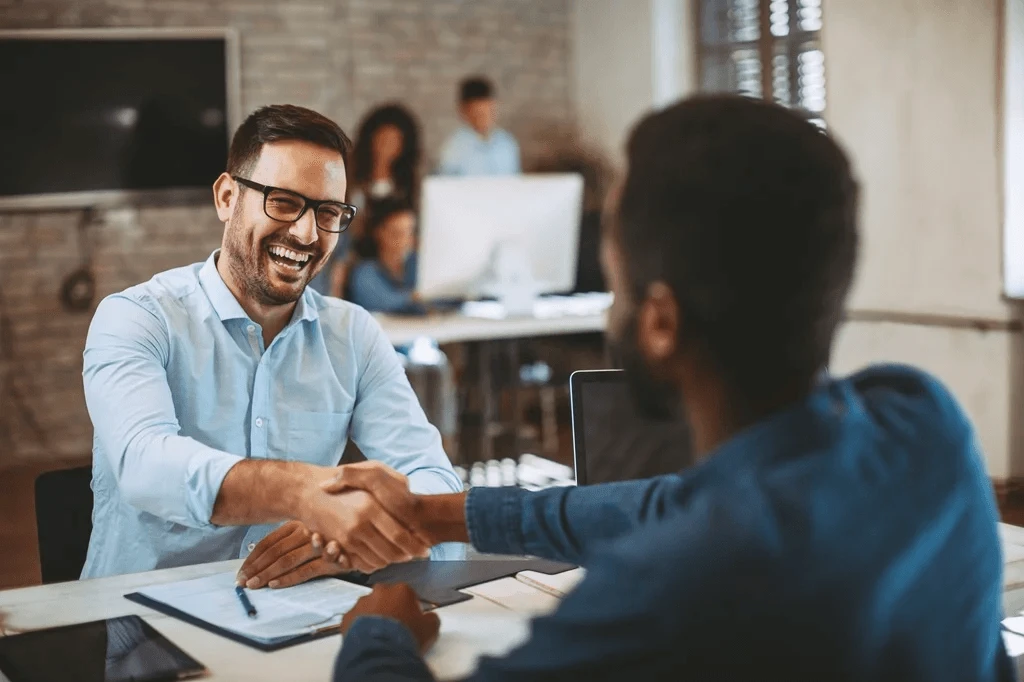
x,y
510,280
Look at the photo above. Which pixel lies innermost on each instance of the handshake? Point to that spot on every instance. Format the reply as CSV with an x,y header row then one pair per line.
x,y
359,517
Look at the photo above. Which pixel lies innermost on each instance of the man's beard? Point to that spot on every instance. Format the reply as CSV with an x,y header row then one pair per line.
x,y
654,397
247,260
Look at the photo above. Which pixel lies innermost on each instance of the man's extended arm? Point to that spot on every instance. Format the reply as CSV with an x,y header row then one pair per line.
x,y
182,480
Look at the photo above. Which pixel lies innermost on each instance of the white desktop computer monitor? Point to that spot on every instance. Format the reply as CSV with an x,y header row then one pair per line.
x,y
522,230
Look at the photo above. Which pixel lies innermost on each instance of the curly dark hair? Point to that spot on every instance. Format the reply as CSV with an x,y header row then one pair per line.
x,y
404,169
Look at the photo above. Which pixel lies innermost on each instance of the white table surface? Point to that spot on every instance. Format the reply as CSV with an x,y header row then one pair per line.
x,y
493,622
458,328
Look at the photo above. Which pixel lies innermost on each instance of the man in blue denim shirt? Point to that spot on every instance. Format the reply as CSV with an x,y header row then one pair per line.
x,y
222,394
833,529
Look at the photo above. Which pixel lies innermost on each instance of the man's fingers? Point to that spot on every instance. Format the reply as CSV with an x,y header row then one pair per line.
x,y
307,571
433,627
389,487
364,557
294,559
404,544
280,542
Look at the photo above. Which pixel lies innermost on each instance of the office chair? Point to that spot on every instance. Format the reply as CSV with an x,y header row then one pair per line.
x,y
63,522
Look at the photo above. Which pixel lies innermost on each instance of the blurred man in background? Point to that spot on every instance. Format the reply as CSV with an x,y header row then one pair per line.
x,y
479,147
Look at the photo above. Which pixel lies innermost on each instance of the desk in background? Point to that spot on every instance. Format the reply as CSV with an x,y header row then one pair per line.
x,y
459,328
491,335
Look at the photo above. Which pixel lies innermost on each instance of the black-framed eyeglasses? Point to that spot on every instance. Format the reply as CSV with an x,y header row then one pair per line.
x,y
286,206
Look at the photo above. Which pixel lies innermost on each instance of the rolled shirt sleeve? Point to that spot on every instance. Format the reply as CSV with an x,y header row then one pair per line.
x,y
129,401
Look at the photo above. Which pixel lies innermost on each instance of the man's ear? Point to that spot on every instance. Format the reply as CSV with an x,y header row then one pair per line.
x,y
658,324
225,194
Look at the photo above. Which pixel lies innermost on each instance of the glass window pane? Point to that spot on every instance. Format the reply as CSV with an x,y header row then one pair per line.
x,y
809,15
782,62
738,72
779,10
729,21
811,77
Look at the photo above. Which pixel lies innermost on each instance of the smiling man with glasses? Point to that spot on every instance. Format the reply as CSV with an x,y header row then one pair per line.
x,y
222,394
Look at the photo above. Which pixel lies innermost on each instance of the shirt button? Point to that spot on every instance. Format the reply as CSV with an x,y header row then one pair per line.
x,y
259,422
251,329
252,546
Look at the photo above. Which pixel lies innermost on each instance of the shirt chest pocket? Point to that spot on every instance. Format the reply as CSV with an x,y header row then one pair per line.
x,y
316,437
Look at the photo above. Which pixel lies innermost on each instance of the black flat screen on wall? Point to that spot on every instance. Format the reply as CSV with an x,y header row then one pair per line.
x,y
87,115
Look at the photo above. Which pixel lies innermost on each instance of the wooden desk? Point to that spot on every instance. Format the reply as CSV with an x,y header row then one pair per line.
x,y
491,623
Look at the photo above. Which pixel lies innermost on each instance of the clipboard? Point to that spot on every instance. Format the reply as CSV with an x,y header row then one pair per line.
x,y
437,583
228,634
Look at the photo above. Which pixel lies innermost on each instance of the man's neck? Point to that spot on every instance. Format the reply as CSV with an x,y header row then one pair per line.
x,y
271,318
715,415
483,135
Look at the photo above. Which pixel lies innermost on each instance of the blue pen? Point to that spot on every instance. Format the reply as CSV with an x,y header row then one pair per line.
x,y
244,598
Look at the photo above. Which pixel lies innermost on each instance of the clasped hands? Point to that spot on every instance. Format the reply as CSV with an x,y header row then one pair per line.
x,y
358,517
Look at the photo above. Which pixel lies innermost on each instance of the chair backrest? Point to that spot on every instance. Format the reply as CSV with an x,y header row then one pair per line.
x,y
64,522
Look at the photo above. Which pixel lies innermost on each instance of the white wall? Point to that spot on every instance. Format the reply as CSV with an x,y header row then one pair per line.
x,y
913,93
630,56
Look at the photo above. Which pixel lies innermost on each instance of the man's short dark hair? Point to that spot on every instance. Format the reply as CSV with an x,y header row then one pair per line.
x,y
279,123
749,213
474,88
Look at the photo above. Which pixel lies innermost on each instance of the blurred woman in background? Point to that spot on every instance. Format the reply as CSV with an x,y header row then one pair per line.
x,y
385,166
386,282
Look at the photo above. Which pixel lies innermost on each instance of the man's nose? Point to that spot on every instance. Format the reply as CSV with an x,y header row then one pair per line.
x,y
304,229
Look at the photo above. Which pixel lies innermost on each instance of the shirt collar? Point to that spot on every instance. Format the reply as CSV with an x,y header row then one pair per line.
x,y
793,430
223,301
227,306
471,132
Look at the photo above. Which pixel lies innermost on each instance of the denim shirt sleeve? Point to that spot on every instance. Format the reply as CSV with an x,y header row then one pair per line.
x,y
129,401
378,649
577,641
388,423
564,524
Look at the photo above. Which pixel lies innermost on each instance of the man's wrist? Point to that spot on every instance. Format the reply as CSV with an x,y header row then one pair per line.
x,y
443,517
305,495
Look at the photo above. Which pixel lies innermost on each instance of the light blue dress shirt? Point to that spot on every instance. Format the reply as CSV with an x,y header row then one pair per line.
x,y
180,387
466,153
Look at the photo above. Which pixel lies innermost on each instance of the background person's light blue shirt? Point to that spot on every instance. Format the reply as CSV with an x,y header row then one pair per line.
x,y
466,153
180,387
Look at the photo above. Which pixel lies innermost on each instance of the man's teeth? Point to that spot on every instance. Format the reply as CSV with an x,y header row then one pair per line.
x,y
288,253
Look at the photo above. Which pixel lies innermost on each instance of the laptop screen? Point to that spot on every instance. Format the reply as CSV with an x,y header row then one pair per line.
x,y
612,441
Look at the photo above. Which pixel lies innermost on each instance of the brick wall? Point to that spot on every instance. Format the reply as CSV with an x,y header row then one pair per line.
x,y
337,56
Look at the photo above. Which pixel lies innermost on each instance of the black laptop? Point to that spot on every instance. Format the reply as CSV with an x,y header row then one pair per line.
x,y
612,441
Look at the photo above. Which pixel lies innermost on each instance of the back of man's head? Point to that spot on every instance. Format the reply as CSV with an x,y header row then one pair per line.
x,y
748,212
